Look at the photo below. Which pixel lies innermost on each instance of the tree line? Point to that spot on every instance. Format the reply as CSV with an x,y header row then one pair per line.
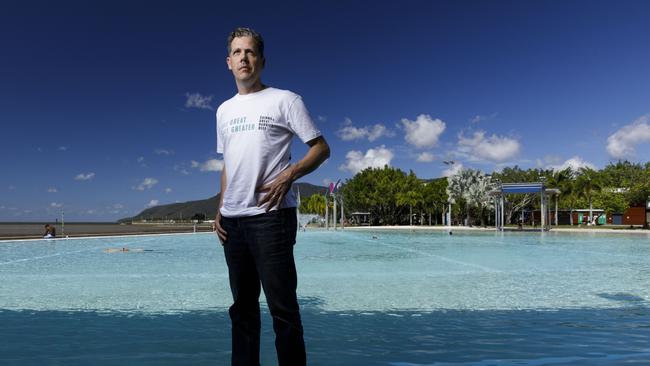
x,y
394,197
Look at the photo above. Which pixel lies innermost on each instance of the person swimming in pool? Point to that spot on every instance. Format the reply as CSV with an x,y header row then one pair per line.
x,y
124,250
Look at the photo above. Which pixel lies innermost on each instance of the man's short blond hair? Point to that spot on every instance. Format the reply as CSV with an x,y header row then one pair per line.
x,y
247,32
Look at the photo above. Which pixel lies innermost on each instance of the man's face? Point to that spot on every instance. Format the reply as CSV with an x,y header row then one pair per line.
x,y
244,60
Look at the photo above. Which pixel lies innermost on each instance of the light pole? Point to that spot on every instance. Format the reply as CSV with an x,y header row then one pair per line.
x,y
647,212
487,183
62,224
591,214
450,164
542,210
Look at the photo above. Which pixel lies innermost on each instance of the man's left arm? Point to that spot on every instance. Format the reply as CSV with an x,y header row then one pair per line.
x,y
318,152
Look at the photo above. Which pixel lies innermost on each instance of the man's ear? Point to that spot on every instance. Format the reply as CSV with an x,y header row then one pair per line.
x,y
228,63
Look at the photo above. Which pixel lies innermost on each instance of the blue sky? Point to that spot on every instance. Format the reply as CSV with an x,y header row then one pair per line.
x,y
108,107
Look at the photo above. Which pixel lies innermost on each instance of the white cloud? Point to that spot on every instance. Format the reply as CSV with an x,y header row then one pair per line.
x,y
493,148
196,100
147,183
549,160
453,169
163,152
86,176
575,163
212,165
152,203
426,157
11,188
479,118
349,133
378,131
327,181
621,143
372,133
181,169
63,148
56,205
322,118
424,132
376,158
52,190
168,190
140,159
115,208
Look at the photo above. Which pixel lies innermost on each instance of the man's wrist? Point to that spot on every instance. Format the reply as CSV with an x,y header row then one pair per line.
x,y
293,172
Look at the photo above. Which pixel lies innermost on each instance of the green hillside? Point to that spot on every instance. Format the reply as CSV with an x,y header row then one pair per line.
x,y
186,210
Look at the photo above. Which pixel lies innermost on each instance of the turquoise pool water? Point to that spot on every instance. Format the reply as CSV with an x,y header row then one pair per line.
x,y
368,298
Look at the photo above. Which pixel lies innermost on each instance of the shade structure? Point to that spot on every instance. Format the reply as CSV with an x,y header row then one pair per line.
x,y
523,188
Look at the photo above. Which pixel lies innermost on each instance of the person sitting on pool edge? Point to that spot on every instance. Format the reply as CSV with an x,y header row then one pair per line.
x,y
50,232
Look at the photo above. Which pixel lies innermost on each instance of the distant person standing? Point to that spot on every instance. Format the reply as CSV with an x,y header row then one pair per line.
x,y
50,232
256,218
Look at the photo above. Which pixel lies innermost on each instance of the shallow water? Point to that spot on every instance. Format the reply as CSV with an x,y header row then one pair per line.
x,y
423,298
489,337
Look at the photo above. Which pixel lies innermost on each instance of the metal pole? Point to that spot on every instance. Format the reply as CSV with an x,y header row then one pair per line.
x,y
502,213
496,212
501,223
327,209
342,214
543,212
556,210
334,211
548,212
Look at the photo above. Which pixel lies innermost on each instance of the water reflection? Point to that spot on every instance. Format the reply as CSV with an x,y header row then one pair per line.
x,y
444,337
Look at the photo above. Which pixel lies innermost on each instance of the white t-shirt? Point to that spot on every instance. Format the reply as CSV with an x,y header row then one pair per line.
x,y
254,133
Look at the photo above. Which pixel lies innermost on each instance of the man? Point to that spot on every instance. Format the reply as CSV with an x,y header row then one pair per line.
x,y
50,232
256,219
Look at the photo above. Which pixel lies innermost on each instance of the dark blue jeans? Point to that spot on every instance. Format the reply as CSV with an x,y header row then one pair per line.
x,y
259,251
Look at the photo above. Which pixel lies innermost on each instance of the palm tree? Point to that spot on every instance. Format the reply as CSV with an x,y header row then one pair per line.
x,y
435,196
409,193
314,204
410,198
586,183
563,180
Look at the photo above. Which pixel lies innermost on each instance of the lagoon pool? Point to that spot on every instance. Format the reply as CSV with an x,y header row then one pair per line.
x,y
368,298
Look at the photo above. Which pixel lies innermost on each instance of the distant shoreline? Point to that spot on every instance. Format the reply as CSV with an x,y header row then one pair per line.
x,y
22,231
27,231
488,229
